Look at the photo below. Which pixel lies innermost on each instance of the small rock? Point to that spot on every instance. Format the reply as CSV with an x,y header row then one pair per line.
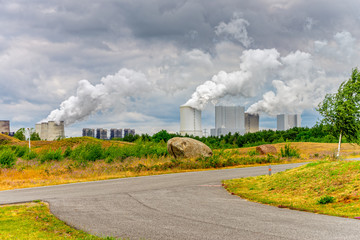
x,y
187,148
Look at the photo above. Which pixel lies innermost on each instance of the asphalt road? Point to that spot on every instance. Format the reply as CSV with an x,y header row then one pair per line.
x,y
181,206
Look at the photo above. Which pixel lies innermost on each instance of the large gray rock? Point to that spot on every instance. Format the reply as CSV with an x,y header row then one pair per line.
x,y
187,148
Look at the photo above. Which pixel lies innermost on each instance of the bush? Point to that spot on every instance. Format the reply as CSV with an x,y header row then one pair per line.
x,y
288,151
7,158
20,151
67,152
30,155
88,152
51,155
326,199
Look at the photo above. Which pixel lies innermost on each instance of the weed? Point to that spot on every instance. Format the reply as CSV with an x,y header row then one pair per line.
x,y
253,153
326,199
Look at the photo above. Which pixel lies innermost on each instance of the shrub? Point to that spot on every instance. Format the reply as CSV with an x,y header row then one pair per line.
x,y
253,153
289,151
30,155
326,199
20,151
7,158
51,155
67,152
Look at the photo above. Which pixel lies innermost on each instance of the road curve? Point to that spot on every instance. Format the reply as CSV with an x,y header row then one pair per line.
x,y
180,206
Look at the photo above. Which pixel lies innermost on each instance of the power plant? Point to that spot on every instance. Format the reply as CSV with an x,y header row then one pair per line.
x,y
50,130
190,121
287,121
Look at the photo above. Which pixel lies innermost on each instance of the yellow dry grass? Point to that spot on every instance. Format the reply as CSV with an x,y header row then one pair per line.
x,y
30,173
309,149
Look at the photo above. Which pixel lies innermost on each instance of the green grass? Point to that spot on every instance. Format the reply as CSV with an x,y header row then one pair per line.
x,y
34,221
326,187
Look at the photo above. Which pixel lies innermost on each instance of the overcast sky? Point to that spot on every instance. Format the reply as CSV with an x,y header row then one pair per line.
x,y
143,59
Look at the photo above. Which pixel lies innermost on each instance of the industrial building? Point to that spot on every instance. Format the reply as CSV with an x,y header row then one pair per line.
x,y
88,132
50,130
251,123
128,131
5,126
101,133
190,121
116,133
229,119
287,121
233,119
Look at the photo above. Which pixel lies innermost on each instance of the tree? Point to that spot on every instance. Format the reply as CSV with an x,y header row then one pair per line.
x,y
20,134
342,109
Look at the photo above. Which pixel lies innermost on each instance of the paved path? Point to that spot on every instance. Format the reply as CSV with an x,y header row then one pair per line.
x,y
181,206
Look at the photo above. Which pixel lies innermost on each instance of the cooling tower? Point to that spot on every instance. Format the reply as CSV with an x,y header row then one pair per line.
x,y
190,121
50,130
4,126
44,131
55,131
287,121
251,123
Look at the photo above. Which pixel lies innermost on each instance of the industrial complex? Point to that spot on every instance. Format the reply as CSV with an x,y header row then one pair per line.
x,y
230,119
102,133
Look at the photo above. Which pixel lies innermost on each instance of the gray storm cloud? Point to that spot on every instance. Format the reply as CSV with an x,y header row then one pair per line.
x,y
90,99
235,29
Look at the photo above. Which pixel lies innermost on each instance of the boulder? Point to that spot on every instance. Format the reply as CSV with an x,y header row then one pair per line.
x,y
187,148
265,149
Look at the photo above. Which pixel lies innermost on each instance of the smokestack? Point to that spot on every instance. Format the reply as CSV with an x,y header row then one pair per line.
x,y
190,121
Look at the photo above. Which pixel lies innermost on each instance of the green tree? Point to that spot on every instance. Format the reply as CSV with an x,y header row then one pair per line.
x,y
20,134
342,109
34,136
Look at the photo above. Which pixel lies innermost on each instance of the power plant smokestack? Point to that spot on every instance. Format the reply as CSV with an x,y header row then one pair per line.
x,y
190,121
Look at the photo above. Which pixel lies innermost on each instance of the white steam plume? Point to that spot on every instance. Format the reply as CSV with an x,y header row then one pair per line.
x,y
301,87
297,84
90,99
254,69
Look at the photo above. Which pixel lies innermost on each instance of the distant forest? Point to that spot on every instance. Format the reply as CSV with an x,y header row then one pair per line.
x,y
318,133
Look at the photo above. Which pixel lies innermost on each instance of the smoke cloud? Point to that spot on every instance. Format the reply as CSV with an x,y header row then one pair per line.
x,y
255,66
90,99
297,84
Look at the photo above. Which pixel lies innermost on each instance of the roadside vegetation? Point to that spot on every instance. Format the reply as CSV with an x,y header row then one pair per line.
x,y
34,221
326,187
86,159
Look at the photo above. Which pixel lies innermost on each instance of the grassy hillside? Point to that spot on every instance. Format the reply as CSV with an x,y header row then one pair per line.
x,y
87,159
326,187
